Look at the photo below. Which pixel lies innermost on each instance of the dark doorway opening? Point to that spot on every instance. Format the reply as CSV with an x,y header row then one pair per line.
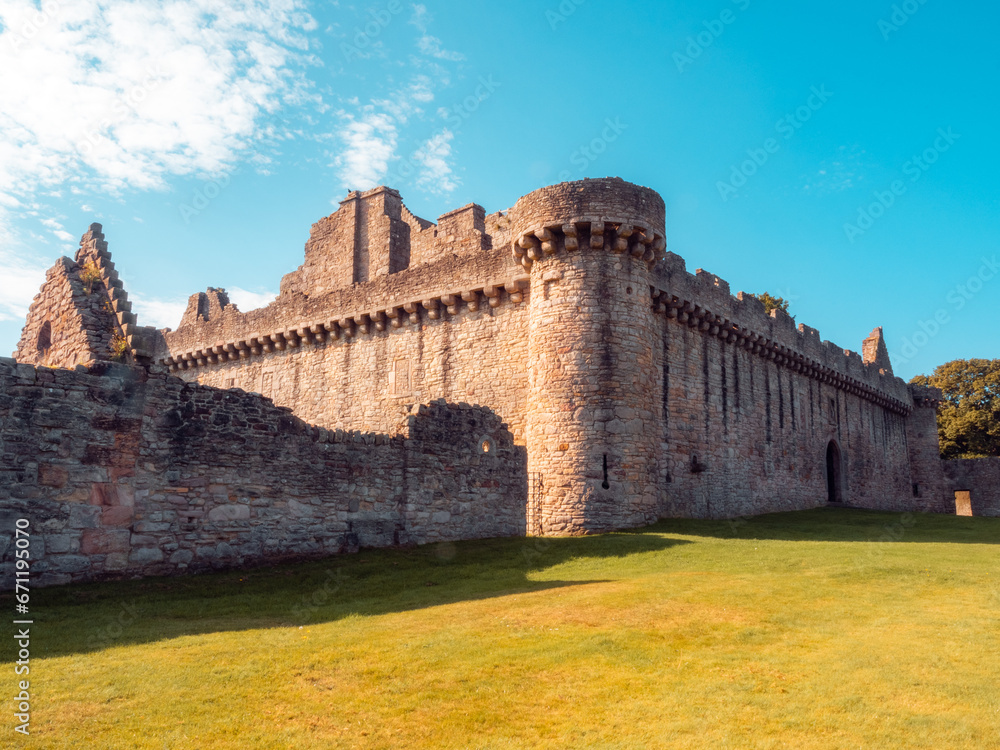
x,y
834,484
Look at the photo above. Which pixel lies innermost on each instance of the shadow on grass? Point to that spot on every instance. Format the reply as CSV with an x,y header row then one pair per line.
x,y
82,618
844,525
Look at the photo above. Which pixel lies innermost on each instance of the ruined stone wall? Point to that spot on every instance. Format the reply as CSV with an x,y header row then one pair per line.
x,y
125,473
82,314
980,477
55,333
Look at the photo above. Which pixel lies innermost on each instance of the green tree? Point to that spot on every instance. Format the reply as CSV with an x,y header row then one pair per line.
x,y
772,303
969,417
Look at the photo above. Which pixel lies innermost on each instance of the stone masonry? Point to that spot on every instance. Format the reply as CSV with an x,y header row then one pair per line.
x,y
125,472
612,388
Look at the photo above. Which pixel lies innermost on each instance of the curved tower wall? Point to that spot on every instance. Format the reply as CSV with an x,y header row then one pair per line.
x,y
593,426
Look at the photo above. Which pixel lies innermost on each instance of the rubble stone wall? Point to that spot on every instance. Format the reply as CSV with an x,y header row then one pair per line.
x,y
980,477
123,473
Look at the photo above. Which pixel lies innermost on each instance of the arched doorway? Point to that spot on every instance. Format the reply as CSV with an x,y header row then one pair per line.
x,y
834,484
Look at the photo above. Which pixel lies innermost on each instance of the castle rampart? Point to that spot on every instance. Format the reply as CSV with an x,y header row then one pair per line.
x,y
632,389
612,363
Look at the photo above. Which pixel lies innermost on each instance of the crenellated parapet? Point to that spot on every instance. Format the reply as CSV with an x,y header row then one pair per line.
x,y
702,301
353,324
609,215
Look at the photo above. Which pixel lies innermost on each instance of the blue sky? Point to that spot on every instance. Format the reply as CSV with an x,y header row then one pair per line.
x,y
841,155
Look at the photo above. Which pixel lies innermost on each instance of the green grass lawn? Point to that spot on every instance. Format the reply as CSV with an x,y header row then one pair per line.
x,y
819,629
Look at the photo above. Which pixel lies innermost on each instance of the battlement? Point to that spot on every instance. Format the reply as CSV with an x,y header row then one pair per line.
x,y
607,214
703,301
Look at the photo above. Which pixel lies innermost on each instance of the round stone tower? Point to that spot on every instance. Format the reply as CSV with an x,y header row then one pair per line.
x,y
593,429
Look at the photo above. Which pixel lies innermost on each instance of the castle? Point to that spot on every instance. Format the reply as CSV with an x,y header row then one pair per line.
x,y
547,370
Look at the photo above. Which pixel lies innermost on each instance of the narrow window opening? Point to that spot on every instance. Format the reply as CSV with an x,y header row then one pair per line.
x,y
45,338
963,503
916,490
605,484
834,481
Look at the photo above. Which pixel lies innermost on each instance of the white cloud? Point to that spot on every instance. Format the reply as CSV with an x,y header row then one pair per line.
x,y
431,45
22,274
167,313
435,172
247,300
124,94
420,17
370,143
159,313
371,134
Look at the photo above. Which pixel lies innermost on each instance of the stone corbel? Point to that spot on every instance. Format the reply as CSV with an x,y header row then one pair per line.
x,y
570,240
318,331
597,234
433,308
625,231
547,239
413,311
531,246
471,298
332,329
516,289
450,301
493,294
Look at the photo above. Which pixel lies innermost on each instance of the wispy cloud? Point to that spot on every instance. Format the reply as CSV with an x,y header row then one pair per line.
x,y
371,134
103,97
436,173
369,143
247,300
841,172
154,89
159,313
167,313
431,45
22,275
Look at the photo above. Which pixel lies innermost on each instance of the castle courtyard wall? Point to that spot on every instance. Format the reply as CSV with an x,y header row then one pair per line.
x,y
126,473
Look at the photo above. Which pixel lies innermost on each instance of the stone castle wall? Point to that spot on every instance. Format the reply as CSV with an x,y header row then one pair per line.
x,y
617,388
754,404
638,389
126,473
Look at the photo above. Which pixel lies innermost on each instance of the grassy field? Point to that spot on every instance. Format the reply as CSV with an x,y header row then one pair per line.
x,y
819,629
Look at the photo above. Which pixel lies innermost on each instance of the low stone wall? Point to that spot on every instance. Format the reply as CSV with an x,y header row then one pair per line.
x,y
123,473
981,478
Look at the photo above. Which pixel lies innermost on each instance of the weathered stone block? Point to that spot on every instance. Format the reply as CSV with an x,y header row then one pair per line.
x,y
223,513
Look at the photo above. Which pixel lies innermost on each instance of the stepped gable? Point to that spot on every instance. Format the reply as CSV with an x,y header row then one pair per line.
x,y
82,314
